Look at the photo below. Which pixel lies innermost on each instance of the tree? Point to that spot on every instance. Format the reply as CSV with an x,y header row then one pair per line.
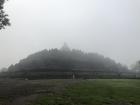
x,y
4,21
136,66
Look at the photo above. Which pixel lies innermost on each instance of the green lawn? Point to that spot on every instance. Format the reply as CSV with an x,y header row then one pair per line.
x,y
95,92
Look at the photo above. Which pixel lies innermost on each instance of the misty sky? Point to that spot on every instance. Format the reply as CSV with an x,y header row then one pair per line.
x,y
108,27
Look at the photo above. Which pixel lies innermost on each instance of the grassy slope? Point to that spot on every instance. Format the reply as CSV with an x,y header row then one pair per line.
x,y
97,92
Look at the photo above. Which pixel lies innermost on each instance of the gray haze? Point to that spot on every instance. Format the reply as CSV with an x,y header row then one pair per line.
x,y
108,27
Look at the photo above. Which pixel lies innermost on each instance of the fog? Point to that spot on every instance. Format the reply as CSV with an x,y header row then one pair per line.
x,y
108,27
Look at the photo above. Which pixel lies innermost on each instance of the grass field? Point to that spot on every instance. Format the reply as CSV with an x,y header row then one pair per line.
x,y
70,92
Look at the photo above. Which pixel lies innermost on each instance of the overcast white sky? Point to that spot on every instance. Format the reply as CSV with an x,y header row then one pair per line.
x,y
108,27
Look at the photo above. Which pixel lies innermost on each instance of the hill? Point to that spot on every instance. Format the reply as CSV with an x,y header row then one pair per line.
x,y
66,63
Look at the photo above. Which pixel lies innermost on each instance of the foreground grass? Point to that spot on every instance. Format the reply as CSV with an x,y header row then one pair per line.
x,y
70,92
96,92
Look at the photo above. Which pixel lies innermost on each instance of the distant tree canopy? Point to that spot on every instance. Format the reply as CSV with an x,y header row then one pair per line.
x,y
67,60
4,21
136,66
62,63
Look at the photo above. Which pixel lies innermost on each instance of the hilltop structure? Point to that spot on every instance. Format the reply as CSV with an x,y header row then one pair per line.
x,y
65,63
65,47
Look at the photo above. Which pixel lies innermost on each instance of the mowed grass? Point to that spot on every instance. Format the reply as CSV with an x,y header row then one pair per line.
x,y
95,92
70,92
